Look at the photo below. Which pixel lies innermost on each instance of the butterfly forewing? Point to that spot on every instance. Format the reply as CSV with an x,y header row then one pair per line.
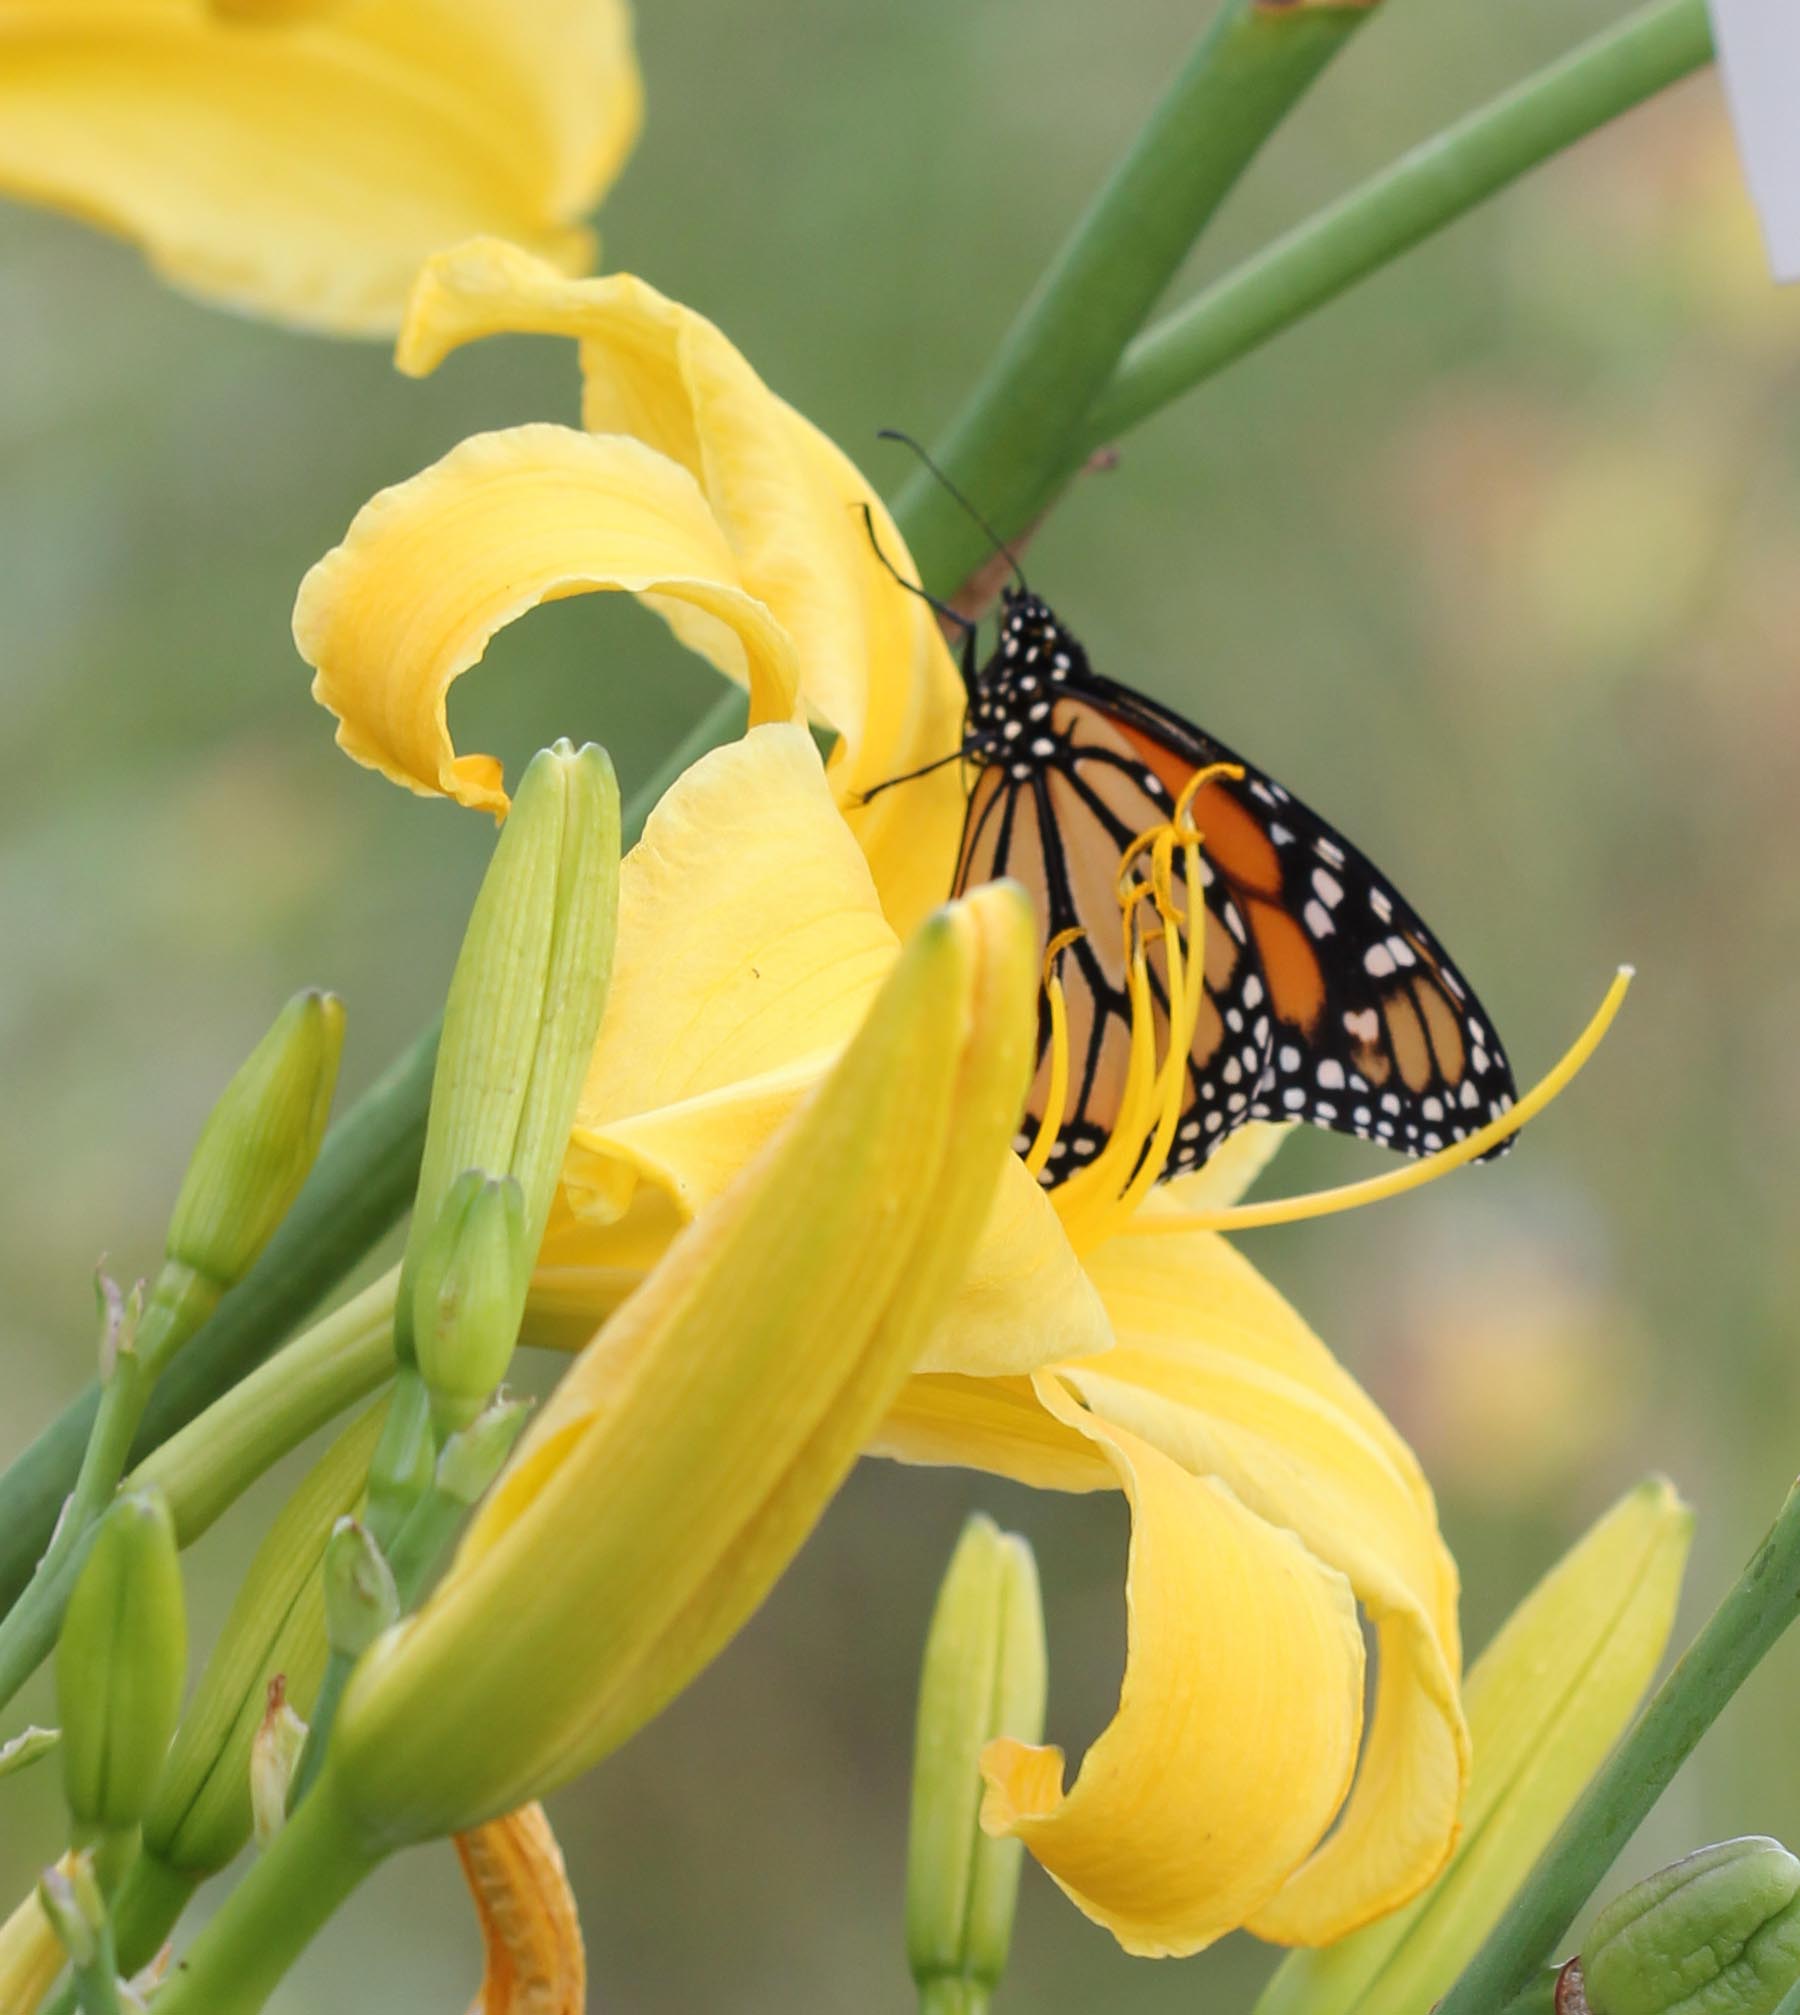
x,y
1327,999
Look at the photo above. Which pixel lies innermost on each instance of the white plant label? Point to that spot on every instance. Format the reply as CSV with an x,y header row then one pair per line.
x,y
1758,45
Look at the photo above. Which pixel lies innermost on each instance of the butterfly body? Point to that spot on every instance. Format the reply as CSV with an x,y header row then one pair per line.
x,y
1326,997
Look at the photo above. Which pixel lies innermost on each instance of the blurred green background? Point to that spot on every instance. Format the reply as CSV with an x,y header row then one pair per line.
x,y
1494,562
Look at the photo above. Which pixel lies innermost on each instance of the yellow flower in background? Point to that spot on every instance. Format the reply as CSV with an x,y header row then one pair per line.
x,y
301,159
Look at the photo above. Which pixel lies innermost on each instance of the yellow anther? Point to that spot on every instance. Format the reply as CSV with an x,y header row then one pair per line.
x,y
1349,1196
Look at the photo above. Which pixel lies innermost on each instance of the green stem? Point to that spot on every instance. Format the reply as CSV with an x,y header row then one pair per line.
x,y
342,1358
97,1984
361,1183
314,1863
338,1668
1011,445
1421,193
1762,1603
208,1466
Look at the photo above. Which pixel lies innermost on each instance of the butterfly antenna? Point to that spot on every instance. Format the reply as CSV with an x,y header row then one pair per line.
x,y
999,544
944,609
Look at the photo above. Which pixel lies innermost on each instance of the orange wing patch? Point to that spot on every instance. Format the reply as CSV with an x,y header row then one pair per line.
x,y
1290,965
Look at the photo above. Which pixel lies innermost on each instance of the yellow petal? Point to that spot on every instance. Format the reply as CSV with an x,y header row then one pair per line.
x,y
1546,1701
303,164
31,1956
1236,1732
529,1927
430,569
691,1449
1216,1371
996,1424
872,664
751,942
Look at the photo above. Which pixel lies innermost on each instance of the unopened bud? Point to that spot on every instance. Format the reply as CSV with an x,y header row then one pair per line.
x,y
472,1459
69,1896
525,1001
120,1664
469,1283
984,1676
274,1757
1716,1933
259,1142
360,1597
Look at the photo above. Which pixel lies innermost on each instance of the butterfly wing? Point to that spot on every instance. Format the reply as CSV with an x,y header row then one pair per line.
x,y
1376,1033
1061,832
1327,998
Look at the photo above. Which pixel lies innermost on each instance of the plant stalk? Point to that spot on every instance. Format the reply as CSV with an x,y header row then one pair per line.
x,y
1422,192
1012,444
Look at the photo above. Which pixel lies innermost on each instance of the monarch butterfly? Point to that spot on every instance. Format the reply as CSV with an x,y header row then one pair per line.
x,y
1326,997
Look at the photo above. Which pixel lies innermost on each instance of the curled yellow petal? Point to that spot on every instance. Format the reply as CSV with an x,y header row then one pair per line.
x,y
529,1927
1214,1369
302,161
1236,1732
691,1449
872,664
431,568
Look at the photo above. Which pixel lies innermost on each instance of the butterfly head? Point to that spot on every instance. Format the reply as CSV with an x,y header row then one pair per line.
x,y
1033,648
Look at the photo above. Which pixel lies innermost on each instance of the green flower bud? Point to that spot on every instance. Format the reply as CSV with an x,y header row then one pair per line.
x,y
1716,1933
469,1283
360,1597
120,1664
201,1814
472,1459
69,1896
524,1003
259,1142
984,1676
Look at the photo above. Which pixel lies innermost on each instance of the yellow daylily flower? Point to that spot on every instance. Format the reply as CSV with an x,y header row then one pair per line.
x,y
1104,1337
302,158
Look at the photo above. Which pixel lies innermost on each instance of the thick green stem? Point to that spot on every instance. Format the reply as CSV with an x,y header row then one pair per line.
x,y
1010,447
314,1863
1760,1606
1421,193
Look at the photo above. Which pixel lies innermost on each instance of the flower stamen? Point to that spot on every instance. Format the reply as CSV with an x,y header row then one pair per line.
x,y
1100,1199
1352,1195
1056,1095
